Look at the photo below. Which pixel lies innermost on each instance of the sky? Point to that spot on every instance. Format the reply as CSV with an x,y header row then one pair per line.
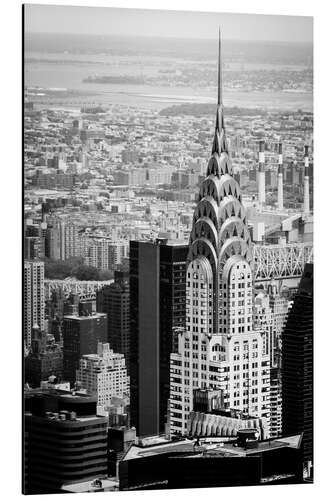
x,y
141,22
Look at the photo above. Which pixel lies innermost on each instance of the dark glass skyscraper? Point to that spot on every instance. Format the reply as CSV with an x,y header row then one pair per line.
x,y
157,305
114,300
297,366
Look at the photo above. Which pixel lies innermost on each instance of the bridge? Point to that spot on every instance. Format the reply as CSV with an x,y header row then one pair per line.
x,y
85,289
273,262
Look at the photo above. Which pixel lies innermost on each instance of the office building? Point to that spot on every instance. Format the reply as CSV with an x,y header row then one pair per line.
x,y
53,243
64,441
55,304
297,367
81,334
34,306
221,347
114,300
280,179
270,312
97,253
157,309
34,247
71,245
45,358
203,463
36,229
104,253
103,374
306,204
279,306
261,175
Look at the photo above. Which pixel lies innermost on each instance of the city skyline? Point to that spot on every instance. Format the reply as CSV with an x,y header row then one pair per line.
x,y
184,242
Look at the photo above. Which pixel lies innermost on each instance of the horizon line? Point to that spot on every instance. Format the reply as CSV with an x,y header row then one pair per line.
x,y
168,37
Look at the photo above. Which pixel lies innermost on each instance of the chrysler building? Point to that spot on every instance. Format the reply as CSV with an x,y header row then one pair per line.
x,y
220,348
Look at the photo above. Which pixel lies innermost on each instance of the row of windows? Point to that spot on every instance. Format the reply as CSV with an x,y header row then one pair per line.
x,y
196,303
202,330
240,329
196,285
196,320
246,402
245,376
245,345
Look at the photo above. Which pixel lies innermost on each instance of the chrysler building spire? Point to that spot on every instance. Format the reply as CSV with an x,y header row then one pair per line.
x,y
219,143
219,82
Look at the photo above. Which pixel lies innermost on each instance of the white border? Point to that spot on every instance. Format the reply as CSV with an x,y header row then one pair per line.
x,y
10,166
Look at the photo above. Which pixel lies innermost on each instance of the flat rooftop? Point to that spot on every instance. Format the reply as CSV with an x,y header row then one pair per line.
x,y
263,446
108,484
211,449
61,393
80,419
82,318
135,451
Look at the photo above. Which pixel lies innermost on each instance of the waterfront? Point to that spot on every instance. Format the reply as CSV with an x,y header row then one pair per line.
x,y
169,76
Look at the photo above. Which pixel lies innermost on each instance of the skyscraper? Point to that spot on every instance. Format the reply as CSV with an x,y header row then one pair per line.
x,y
34,247
81,336
297,366
70,240
280,179
157,309
220,349
306,204
34,239
34,306
261,175
114,300
279,306
53,246
270,312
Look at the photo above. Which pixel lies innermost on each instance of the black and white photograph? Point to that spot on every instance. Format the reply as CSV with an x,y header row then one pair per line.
x,y
168,203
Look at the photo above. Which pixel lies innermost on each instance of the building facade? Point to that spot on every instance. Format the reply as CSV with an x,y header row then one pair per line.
x,y
45,359
61,445
220,348
297,366
71,241
81,334
103,374
114,300
270,313
104,253
157,312
34,304
279,306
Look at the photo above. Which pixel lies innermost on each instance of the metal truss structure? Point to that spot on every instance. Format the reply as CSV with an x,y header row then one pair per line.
x,y
271,262
281,261
85,289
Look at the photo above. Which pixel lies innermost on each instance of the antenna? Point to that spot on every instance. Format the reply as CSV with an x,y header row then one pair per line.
x,y
219,143
219,81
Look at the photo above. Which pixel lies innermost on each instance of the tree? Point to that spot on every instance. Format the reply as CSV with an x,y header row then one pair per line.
x,y
86,273
105,275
